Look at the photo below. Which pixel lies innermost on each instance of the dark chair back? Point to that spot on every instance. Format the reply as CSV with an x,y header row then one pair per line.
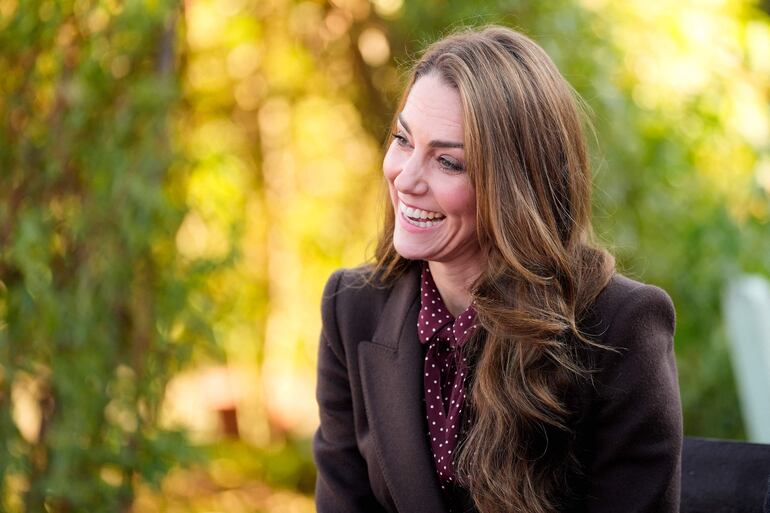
x,y
725,476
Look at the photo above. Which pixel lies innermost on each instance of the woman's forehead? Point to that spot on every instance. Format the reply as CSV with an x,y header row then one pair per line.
x,y
433,107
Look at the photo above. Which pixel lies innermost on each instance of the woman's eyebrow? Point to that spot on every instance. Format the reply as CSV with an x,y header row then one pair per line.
x,y
434,143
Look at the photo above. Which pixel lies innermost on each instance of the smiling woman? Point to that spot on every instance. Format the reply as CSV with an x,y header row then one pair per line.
x,y
491,359
429,187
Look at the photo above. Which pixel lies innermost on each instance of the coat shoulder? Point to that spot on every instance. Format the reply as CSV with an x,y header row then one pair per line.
x,y
623,297
630,417
621,290
351,287
352,302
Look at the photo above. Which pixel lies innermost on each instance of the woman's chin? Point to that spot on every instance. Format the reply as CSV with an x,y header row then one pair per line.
x,y
410,255
408,251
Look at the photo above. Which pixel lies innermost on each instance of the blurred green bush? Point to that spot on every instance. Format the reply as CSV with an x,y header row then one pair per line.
x,y
95,313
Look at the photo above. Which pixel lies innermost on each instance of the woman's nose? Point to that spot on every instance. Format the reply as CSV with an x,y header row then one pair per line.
x,y
411,178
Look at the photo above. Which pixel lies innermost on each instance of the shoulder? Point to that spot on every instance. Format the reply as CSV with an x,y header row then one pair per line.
x,y
635,322
632,415
352,302
626,306
350,286
622,292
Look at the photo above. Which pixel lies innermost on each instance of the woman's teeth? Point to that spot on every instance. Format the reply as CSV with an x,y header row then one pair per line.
x,y
421,218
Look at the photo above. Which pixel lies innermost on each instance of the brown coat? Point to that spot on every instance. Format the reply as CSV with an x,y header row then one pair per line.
x,y
371,448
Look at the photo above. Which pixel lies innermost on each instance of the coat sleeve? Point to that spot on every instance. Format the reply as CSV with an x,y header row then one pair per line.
x,y
637,439
342,484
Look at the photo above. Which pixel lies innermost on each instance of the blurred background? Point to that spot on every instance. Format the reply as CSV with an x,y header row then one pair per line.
x,y
178,179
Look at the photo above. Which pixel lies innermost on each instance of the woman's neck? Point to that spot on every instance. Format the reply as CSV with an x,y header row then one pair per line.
x,y
454,283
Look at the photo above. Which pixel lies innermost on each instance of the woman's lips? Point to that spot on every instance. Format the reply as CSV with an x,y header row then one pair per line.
x,y
414,226
420,218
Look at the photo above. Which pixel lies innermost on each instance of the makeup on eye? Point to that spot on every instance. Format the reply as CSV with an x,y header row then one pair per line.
x,y
400,139
450,164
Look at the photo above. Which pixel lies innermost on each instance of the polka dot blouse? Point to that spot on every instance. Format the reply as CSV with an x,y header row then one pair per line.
x,y
445,373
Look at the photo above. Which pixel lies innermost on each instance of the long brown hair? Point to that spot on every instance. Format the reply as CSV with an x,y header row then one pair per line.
x,y
527,160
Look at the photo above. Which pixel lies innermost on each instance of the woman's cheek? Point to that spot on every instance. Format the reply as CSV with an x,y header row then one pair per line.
x,y
454,194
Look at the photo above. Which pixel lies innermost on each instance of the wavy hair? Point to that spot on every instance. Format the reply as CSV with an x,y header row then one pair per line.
x,y
527,160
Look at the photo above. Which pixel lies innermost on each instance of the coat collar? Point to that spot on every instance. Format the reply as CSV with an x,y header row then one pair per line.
x,y
391,366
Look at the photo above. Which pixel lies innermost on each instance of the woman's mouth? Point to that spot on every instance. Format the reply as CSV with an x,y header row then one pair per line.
x,y
419,217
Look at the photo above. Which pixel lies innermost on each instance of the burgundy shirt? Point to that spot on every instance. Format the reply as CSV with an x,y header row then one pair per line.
x,y
445,374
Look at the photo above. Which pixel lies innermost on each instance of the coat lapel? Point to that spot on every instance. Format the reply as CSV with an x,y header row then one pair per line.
x,y
391,367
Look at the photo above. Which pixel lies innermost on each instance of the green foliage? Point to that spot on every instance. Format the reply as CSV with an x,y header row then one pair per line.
x,y
95,315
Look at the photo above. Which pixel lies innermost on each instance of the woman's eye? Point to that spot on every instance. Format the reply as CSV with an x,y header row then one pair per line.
x,y
450,163
400,139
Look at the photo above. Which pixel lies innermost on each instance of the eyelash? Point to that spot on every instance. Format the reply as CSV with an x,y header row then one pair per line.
x,y
443,161
448,164
400,139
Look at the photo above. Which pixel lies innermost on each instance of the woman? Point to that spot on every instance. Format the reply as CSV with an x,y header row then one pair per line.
x,y
492,360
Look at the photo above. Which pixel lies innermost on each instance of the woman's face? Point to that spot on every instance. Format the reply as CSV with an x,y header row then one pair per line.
x,y
434,201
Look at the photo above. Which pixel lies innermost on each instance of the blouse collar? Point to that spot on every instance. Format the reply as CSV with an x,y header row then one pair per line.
x,y
435,321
